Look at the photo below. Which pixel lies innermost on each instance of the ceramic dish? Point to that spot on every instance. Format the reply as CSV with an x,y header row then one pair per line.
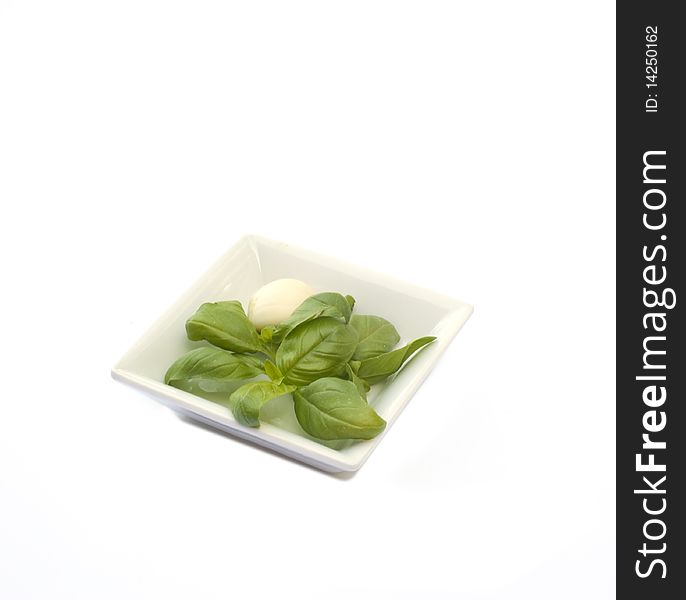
x,y
251,263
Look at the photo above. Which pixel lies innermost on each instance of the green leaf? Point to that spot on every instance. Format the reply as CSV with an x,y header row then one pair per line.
x,y
377,336
351,302
224,324
212,370
378,368
248,399
267,333
326,304
273,372
362,386
318,348
332,409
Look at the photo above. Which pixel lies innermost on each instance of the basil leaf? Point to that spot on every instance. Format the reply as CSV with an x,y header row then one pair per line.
x,y
377,336
224,324
378,368
273,372
326,304
351,302
314,349
332,409
212,370
248,399
362,386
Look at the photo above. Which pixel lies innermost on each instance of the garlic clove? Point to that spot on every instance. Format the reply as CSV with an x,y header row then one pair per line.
x,y
276,301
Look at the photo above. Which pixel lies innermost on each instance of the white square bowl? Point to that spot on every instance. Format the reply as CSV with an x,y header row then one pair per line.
x,y
251,263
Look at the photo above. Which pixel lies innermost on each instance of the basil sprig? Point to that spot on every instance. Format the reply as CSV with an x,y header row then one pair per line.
x,y
376,336
327,304
322,354
332,409
212,370
314,349
378,368
225,325
248,399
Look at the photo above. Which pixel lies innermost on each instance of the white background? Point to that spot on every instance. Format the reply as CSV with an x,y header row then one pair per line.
x,y
464,146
